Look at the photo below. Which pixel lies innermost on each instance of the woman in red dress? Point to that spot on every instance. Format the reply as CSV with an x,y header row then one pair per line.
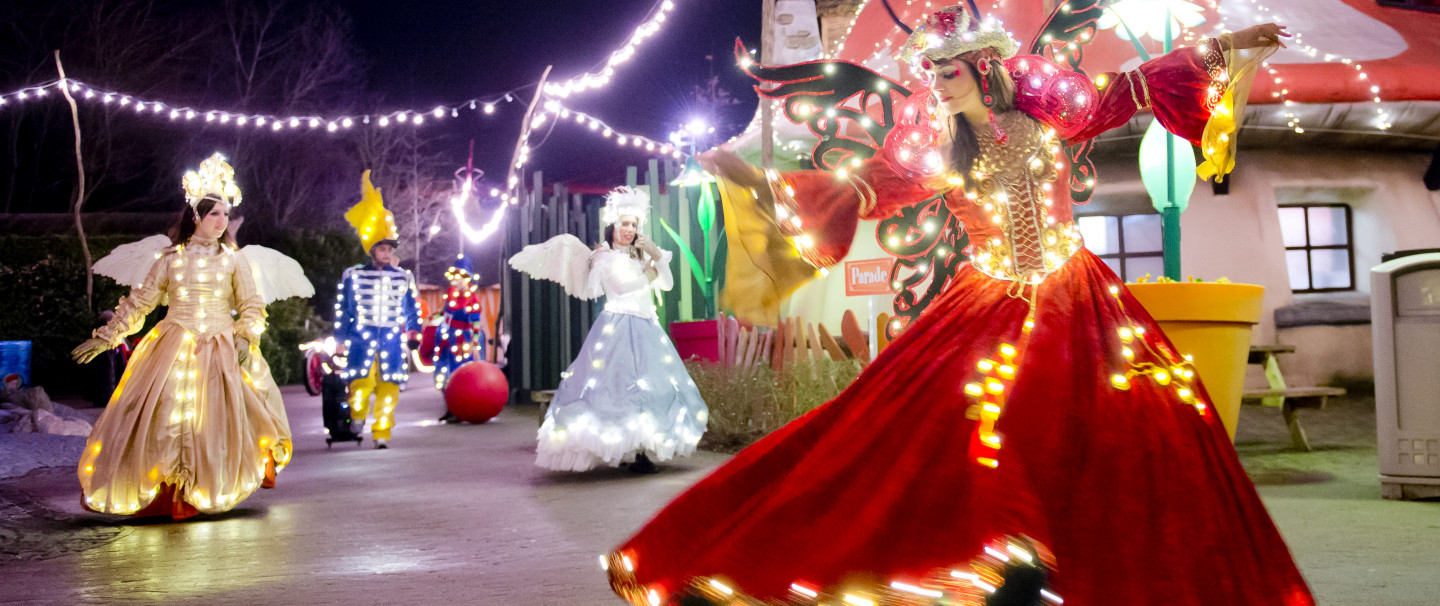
x,y
1033,437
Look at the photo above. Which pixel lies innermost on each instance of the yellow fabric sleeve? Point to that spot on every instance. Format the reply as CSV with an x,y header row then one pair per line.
x,y
130,313
1220,139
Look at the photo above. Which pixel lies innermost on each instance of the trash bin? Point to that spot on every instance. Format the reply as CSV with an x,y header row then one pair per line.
x,y
15,362
1405,320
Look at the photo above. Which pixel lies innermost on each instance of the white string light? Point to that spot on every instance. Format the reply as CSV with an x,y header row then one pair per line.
x,y
181,113
849,28
554,110
457,206
623,54
1382,119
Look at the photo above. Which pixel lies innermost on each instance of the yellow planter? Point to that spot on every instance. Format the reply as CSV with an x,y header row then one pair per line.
x,y
1212,323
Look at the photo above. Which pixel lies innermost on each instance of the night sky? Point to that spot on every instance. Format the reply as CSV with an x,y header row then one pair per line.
x,y
442,51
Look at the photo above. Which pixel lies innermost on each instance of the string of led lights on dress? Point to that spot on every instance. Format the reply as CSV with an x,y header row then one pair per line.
x,y
184,113
598,79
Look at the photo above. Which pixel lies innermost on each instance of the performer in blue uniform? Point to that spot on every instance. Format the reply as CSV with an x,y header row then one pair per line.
x,y
375,310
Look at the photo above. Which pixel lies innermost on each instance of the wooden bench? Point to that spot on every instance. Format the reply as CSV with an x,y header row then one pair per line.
x,y
1287,399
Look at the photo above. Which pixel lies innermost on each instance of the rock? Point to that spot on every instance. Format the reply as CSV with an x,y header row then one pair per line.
x,y
48,422
35,398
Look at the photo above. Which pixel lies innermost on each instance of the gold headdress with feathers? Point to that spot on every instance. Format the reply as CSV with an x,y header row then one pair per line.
x,y
215,179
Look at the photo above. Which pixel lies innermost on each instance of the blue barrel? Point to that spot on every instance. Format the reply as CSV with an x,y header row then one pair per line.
x,y
15,361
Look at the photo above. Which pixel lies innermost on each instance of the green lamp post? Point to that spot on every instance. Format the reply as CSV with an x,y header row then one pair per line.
x,y
1167,161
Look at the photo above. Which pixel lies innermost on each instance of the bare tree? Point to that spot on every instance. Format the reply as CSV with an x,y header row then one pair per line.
x,y
290,58
131,45
417,186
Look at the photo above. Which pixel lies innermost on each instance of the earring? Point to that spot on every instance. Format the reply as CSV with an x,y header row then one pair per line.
x,y
1001,137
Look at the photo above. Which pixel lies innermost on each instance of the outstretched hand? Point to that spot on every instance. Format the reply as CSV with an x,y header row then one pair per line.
x,y
1265,34
89,350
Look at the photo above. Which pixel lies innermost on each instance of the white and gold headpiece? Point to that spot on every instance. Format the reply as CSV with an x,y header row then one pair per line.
x,y
951,32
215,179
623,201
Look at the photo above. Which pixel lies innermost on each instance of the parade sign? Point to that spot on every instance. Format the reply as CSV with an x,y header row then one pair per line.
x,y
868,277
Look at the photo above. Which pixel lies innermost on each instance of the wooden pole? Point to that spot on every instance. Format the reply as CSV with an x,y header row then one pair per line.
x,y
80,186
511,181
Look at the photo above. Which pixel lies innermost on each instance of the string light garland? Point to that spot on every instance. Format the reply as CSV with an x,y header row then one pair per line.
x,y
849,28
275,123
1382,119
554,110
457,206
616,58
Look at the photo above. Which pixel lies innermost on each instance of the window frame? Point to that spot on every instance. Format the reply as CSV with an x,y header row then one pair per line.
x,y
1348,246
1121,255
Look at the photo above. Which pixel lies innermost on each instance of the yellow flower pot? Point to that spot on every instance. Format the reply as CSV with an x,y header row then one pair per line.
x,y
1211,322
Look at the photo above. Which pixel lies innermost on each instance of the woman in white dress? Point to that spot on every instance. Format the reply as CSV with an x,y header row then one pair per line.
x,y
627,397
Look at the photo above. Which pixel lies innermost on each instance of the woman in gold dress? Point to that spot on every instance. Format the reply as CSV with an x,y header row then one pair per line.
x,y
196,424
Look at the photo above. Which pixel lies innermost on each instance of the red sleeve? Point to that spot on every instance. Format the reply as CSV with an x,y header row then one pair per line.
x,y
1180,87
830,204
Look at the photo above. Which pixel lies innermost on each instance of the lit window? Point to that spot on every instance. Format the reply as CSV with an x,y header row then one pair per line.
x,y
1129,244
1319,251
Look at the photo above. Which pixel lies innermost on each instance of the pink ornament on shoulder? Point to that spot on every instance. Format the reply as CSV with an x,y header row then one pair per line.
x,y
1061,99
913,145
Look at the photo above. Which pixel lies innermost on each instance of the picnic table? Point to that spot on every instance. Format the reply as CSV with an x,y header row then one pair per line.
x,y
1287,399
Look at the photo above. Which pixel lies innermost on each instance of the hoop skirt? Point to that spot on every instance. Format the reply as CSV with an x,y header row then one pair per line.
x,y
1130,493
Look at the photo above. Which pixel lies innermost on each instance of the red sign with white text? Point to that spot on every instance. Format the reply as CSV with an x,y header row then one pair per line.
x,y
868,277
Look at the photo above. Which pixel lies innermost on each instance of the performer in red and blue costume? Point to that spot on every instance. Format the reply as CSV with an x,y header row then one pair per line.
x,y
459,323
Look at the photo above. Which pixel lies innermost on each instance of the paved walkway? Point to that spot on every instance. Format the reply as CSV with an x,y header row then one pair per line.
x,y
447,514
458,514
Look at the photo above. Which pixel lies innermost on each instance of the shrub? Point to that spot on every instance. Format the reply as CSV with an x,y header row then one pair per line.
x,y
290,323
43,281
748,402
43,278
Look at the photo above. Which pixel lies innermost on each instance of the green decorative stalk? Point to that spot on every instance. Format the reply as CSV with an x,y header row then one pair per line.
x,y
701,273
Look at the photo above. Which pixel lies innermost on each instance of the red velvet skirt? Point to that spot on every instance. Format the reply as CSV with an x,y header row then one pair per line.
x,y
1049,435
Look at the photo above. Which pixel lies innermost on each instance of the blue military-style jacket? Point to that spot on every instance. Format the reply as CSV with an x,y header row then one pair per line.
x,y
374,309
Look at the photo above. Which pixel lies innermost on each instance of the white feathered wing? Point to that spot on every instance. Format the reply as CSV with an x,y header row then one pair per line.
x,y
129,263
277,276
564,259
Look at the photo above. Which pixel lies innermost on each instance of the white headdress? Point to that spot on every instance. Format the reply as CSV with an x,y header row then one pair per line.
x,y
623,201
215,179
952,31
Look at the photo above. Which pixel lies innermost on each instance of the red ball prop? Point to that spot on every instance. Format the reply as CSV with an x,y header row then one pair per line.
x,y
476,392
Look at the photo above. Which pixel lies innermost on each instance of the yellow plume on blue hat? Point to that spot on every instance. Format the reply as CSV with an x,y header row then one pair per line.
x,y
373,223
